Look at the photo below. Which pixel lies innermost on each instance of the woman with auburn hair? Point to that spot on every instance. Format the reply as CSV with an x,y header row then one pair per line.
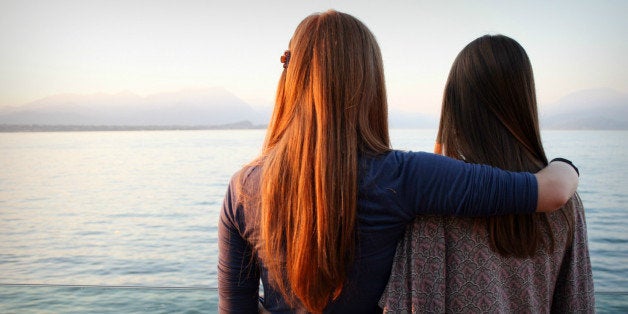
x,y
318,214
534,262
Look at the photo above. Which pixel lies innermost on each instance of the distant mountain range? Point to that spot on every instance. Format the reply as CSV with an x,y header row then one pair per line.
x,y
212,106
218,108
594,109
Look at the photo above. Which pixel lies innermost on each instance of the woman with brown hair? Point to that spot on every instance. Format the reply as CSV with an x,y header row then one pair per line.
x,y
534,262
318,214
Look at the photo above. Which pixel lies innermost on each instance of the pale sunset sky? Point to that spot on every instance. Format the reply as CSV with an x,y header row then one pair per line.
x,y
85,47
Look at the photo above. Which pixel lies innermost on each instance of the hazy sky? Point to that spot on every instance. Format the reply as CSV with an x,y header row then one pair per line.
x,y
54,47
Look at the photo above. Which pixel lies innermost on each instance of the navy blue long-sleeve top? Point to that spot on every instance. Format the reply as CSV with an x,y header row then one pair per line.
x,y
393,188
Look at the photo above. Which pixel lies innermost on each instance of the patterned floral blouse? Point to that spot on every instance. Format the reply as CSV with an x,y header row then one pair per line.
x,y
445,264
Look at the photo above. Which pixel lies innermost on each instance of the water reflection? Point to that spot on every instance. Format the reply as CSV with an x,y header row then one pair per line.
x,y
17,298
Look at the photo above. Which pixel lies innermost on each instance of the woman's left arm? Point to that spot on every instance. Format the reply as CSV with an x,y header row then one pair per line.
x,y
440,185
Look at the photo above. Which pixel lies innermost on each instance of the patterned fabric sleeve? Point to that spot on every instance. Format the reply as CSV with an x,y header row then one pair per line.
x,y
445,264
574,287
418,280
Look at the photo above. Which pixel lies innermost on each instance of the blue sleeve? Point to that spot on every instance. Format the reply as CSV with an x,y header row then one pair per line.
x,y
238,274
436,184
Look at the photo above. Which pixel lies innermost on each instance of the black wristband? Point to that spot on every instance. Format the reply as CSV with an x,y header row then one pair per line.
x,y
567,161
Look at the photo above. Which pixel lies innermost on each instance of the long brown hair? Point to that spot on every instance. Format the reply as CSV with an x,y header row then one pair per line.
x,y
489,116
330,107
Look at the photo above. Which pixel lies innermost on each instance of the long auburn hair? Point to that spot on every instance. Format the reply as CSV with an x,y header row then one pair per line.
x,y
489,116
330,107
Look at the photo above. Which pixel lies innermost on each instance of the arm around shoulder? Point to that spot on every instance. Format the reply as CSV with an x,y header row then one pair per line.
x,y
557,183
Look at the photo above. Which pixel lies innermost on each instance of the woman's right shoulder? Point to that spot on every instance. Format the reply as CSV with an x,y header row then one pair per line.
x,y
247,171
246,178
242,192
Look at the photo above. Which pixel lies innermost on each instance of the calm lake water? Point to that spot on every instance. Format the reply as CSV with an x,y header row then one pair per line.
x,y
113,222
